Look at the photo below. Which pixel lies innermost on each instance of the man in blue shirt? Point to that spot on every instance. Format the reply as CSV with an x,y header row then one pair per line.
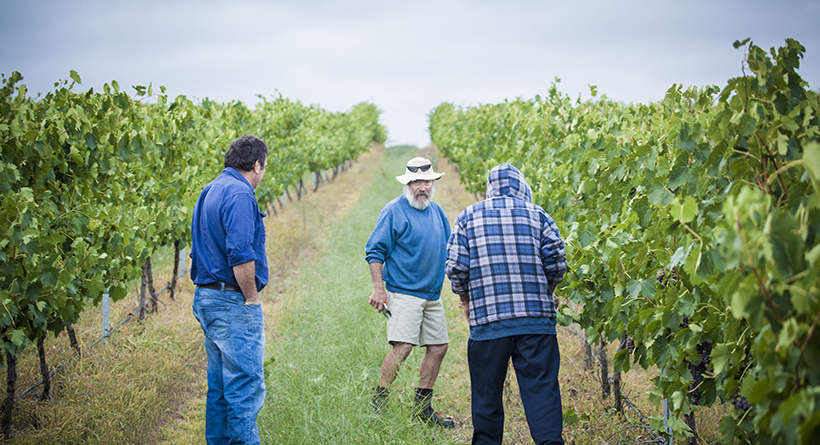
x,y
406,253
504,259
229,267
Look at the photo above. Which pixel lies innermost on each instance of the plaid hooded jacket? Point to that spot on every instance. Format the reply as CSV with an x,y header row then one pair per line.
x,y
506,252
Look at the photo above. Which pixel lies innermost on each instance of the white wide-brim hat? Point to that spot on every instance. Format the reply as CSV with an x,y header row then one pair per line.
x,y
419,175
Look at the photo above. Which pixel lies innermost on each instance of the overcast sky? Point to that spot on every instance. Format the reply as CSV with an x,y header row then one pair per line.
x,y
406,57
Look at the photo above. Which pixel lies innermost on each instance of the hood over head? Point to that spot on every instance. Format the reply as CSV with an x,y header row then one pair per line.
x,y
507,181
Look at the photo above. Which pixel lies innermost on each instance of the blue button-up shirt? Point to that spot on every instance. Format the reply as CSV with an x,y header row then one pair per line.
x,y
227,230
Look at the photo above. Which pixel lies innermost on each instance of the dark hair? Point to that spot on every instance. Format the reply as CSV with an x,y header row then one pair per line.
x,y
244,153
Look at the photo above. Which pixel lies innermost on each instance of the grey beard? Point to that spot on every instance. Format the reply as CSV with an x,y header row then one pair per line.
x,y
416,204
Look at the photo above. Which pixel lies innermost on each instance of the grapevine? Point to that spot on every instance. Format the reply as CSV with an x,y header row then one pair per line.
x,y
93,182
691,227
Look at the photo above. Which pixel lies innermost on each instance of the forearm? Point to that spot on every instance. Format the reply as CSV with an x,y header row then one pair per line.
x,y
378,297
245,275
376,276
465,305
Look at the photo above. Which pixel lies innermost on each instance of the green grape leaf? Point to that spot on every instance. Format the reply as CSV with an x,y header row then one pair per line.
x,y
48,277
621,360
27,194
644,211
813,256
18,337
684,212
721,355
728,428
679,257
634,288
738,43
782,144
811,160
659,195
786,247
758,391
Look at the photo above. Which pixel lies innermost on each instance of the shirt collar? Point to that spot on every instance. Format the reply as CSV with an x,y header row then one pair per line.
x,y
235,173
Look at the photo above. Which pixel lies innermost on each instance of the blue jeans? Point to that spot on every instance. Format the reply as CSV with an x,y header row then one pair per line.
x,y
536,361
235,343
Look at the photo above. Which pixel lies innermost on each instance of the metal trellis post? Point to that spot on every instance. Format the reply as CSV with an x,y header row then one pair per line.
x,y
666,415
106,307
182,259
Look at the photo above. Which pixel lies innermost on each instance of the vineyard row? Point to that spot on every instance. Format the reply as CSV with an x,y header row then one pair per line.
x,y
92,183
692,228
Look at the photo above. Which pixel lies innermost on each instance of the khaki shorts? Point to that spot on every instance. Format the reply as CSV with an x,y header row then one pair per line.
x,y
416,321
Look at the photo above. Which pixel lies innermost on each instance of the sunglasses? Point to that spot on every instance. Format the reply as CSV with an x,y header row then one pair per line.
x,y
423,168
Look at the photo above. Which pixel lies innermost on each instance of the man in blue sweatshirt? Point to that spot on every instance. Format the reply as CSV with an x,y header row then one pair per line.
x,y
406,254
505,258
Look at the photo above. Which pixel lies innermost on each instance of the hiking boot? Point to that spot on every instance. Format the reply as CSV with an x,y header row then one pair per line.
x,y
425,412
379,400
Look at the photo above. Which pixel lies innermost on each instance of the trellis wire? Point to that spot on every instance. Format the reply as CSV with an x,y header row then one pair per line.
x,y
105,335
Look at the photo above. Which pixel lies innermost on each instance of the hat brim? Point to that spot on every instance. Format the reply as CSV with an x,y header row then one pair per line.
x,y
419,176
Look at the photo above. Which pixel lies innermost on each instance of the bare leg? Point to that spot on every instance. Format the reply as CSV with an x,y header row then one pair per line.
x,y
430,365
428,372
390,366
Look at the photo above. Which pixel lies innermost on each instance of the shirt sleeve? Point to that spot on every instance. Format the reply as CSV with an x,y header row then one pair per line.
x,y
457,265
553,255
381,240
238,216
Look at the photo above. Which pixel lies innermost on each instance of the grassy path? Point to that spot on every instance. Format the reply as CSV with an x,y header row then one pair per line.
x,y
328,344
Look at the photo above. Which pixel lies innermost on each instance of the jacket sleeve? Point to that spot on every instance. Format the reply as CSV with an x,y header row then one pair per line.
x,y
553,255
457,265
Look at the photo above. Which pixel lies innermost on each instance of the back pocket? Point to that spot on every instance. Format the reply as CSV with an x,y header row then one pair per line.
x,y
217,322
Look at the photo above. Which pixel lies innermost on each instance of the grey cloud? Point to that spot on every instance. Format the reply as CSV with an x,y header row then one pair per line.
x,y
406,57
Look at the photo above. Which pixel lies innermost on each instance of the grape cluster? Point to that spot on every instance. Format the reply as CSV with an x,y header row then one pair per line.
x,y
741,403
694,388
630,345
685,323
665,279
747,362
744,367
705,351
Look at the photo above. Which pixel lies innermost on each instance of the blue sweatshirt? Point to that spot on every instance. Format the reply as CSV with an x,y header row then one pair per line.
x,y
411,244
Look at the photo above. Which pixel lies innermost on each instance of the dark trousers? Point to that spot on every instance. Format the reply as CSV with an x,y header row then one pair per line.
x,y
536,361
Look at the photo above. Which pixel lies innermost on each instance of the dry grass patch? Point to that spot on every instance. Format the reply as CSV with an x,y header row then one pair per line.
x,y
119,392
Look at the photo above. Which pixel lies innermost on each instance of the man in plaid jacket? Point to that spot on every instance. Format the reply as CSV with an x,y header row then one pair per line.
x,y
504,259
